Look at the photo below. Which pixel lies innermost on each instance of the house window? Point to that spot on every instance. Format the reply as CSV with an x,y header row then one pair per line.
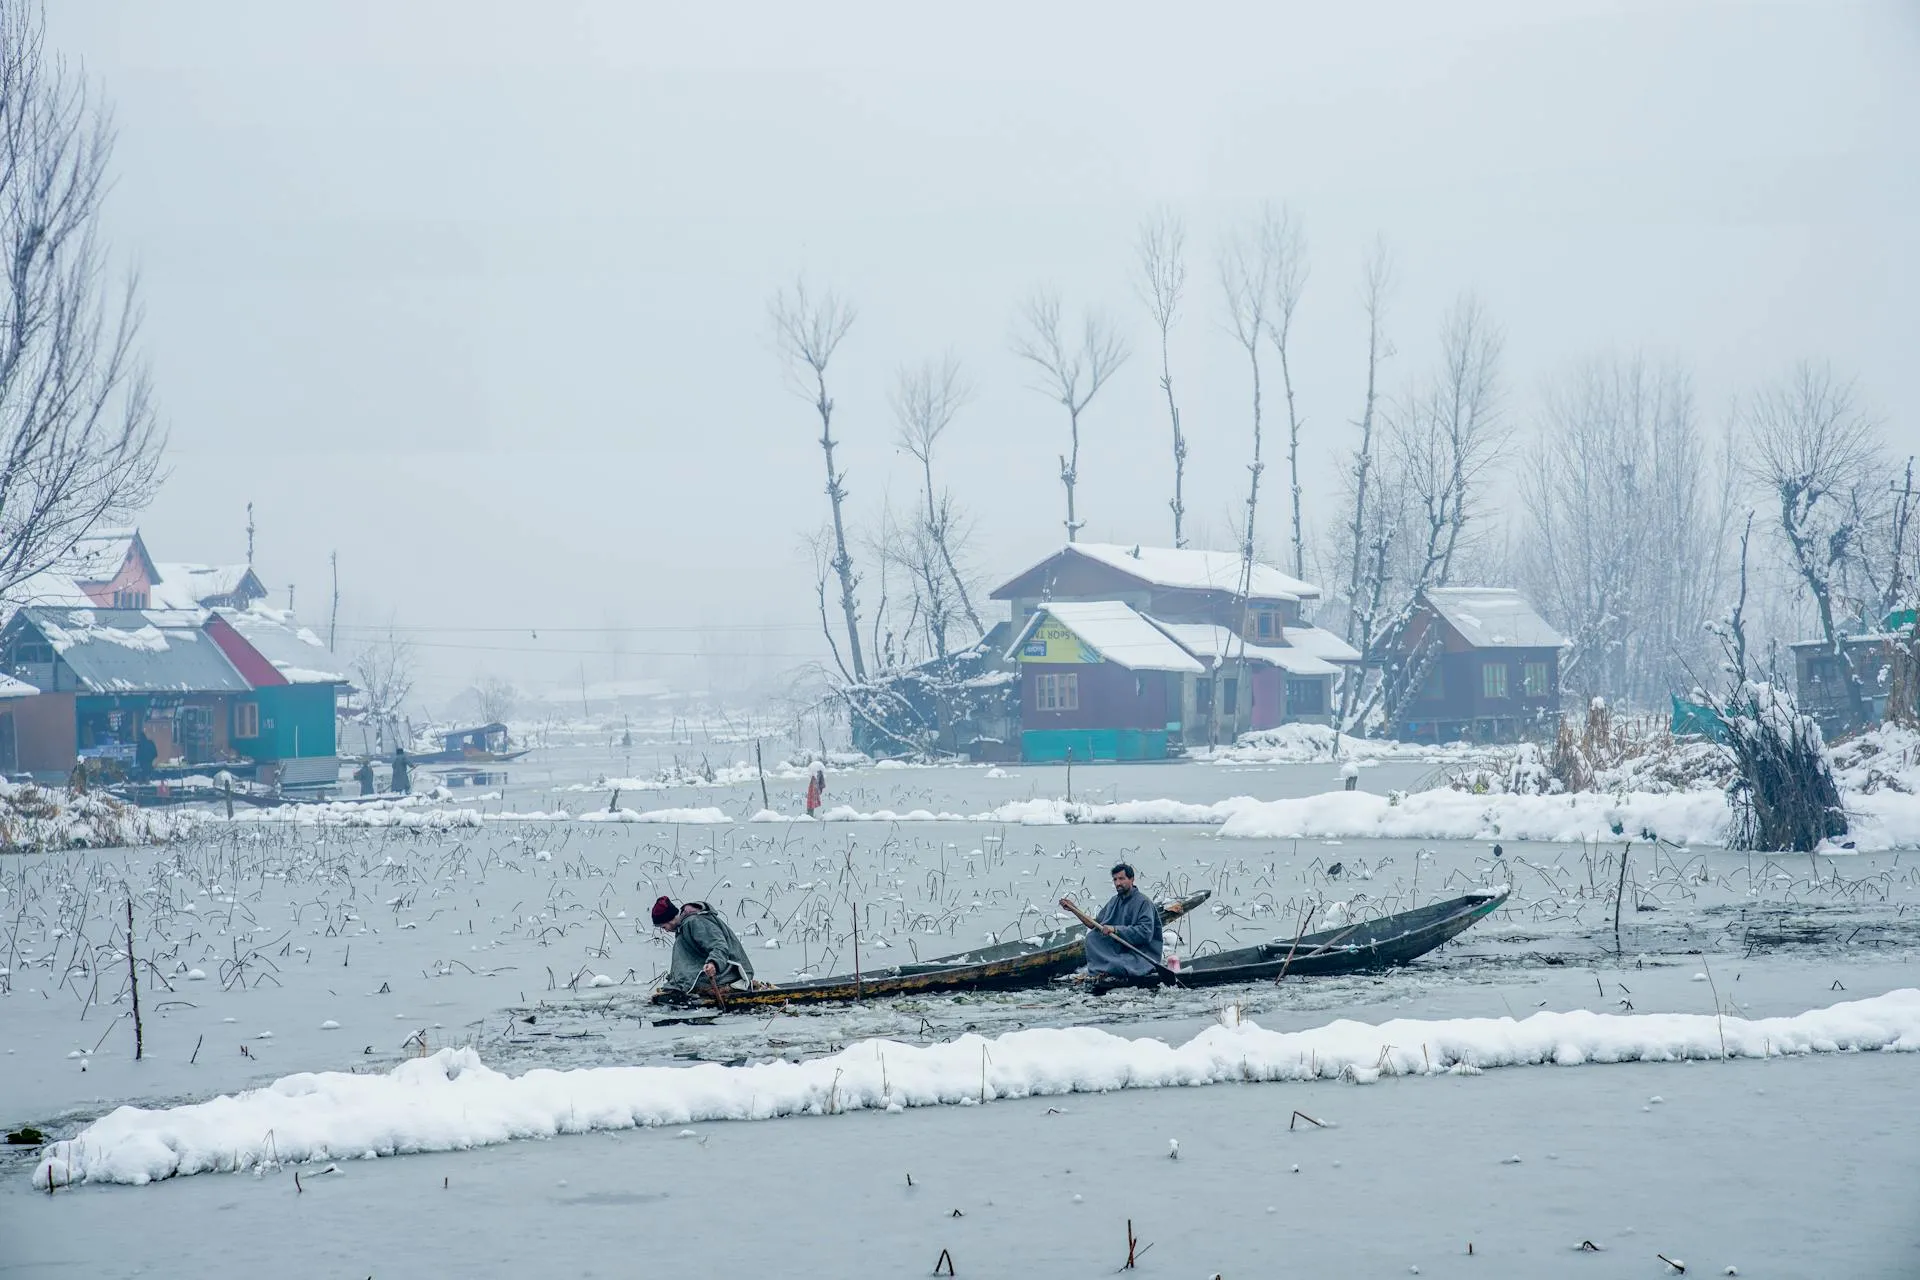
x,y
1306,697
1533,680
129,599
1230,695
1057,692
1493,680
1203,697
246,719
29,652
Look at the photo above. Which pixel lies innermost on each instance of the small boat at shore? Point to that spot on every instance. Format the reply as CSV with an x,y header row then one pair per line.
x,y
1363,947
1029,962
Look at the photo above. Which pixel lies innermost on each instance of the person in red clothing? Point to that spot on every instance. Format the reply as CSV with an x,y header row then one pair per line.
x,y
816,787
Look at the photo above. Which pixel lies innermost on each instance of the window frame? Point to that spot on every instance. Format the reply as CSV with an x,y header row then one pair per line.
x,y
246,713
1057,691
1492,674
1319,699
1528,686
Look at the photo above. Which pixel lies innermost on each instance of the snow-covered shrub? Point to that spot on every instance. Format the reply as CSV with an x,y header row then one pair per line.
x,y
34,818
1784,795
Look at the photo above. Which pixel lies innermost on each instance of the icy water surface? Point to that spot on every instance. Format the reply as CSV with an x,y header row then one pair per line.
x,y
279,949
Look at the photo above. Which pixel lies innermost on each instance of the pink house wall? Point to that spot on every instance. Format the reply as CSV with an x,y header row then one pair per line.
x,y
132,577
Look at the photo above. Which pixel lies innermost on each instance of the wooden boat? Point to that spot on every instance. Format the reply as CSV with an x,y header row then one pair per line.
x,y
1356,948
482,744
1030,962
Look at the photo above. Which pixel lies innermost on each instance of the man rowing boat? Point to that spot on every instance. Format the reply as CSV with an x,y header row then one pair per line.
x,y
1124,940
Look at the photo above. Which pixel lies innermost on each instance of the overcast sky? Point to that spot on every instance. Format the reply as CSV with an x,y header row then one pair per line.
x,y
475,294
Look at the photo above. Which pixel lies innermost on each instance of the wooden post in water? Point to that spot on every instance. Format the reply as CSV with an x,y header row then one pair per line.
x,y
762,766
133,977
859,983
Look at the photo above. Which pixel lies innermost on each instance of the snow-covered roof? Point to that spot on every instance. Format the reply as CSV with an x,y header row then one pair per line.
x,y
1196,570
1321,643
1115,631
99,555
11,688
1494,618
1211,644
188,586
138,650
1184,569
48,588
295,651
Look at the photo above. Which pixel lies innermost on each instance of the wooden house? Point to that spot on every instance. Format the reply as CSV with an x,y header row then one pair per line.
x,y
1098,682
187,681
179,585
113,568
1480,664
1261,662
1820,676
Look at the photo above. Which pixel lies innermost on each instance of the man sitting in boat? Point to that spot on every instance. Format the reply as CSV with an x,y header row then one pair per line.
x,y
706,954
1125,940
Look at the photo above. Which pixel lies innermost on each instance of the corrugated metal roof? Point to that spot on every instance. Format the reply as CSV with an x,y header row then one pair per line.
x,y
1214,644
1184,568
138,650
1494,618
188,586
295,651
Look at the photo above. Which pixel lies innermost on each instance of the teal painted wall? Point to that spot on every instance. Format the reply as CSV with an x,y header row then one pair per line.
x,y
296,720
1050,746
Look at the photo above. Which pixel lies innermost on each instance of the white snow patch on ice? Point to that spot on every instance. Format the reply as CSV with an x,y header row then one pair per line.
x,y
453,1101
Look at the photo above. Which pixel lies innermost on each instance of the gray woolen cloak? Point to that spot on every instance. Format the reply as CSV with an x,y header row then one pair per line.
x,y
1137,920
704,936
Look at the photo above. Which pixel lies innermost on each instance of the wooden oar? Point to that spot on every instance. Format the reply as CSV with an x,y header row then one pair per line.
x,y
1158,964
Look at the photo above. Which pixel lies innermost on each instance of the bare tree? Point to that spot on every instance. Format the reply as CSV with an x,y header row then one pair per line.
x,y
1246,273
1443,443
1818,456
925,401
1071,373
384,669
1286,278
1625,536
78,444
1365,560
809,330
1163,271
494,699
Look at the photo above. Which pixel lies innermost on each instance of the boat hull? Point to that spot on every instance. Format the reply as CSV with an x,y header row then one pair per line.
x,y
1361,948
1007,966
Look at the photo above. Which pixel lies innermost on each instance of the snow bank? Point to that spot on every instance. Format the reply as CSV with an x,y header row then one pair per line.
x,y
662,817
1694,817
1314,743
452,1101
36,818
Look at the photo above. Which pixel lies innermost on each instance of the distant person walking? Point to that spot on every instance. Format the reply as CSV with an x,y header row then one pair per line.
x,y
816,786
402,772
364,776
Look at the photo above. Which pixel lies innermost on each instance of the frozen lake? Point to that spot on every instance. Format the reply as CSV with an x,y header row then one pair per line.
x,y
280,949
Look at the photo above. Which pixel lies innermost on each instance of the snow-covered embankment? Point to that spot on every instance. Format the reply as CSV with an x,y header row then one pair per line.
x,y
452,1101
